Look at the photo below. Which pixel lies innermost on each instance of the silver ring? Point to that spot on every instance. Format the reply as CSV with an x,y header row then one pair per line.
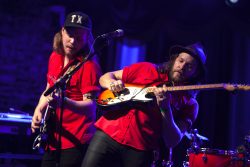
x,y
161,96
112,84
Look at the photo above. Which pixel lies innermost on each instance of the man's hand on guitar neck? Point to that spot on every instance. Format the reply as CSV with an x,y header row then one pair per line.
x,y
163,97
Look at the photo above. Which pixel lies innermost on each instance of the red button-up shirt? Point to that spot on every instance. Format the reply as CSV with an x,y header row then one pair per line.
x,y
77,128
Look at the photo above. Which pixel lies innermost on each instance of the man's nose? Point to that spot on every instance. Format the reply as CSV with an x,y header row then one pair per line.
x,y
72,40
182,66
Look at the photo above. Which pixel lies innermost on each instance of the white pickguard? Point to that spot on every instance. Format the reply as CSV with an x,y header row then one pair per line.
x,y
135,94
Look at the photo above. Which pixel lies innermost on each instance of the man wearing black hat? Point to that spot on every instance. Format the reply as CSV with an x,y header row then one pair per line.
x,y
129,133
71,125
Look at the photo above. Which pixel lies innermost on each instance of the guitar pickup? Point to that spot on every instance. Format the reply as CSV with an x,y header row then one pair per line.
x,y
150,95
122,93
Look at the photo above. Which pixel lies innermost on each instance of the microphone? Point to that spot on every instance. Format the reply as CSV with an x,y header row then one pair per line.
x,y
116,33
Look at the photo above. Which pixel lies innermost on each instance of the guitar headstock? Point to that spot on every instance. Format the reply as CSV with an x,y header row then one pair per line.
x,y
233,87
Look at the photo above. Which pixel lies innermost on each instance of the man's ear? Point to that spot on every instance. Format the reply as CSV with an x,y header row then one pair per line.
x,y
63,29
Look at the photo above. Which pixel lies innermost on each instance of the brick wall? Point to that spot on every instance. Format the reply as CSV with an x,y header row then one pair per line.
x,y
26,36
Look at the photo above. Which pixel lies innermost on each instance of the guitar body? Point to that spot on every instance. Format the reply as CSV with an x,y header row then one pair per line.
x,y
41,141
131,93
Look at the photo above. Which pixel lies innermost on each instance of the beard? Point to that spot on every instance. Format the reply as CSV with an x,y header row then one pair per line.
x,y
176,76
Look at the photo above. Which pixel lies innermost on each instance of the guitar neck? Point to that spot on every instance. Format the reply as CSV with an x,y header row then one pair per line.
x,y
196,87
229,87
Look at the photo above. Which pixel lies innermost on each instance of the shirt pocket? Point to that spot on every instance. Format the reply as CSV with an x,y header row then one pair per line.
x,y
74,80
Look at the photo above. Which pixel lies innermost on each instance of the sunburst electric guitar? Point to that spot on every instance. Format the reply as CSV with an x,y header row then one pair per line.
x,y
140,93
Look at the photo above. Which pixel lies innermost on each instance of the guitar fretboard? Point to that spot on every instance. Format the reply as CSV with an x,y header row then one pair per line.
x,y
229,87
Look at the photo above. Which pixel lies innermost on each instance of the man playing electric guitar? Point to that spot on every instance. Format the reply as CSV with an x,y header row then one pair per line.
x,y
129,134
72,126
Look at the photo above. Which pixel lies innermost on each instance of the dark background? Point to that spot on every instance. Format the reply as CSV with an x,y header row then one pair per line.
x,y
27,28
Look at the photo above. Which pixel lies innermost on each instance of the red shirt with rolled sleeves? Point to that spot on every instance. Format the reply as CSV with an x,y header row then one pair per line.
x,y
140,128
77,128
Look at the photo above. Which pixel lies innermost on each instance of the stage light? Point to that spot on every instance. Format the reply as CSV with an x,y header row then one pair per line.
x,y
129,51
231,2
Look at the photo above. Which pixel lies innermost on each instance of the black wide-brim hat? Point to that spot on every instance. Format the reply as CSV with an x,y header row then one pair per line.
x,y
196,50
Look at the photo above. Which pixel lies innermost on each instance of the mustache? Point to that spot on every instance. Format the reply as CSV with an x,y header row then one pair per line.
x,y
70,46
179,71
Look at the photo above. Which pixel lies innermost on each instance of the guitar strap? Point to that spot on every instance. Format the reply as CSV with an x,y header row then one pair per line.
x,y
68,68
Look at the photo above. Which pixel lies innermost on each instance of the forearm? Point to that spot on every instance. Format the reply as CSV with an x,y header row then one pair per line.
x,y
111,77
41,104
38,113
80,106
172,135
106,79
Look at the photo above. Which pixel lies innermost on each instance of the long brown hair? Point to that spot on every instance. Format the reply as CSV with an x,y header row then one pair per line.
x,y
58,45
167,66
